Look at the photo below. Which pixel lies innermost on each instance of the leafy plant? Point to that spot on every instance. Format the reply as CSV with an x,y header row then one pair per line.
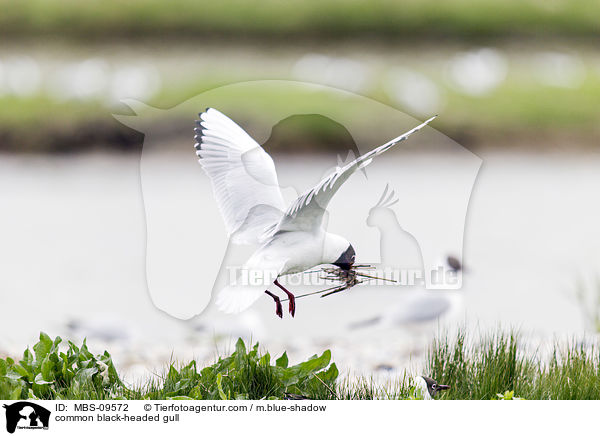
x,y
76,373
49,373
250,375
493,367
508,395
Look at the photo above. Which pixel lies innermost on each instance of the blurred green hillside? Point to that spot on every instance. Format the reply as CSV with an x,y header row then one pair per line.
x,y
301,18
499,73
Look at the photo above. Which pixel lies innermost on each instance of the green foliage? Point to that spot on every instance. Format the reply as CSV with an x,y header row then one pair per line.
x,y
335,18
49,373
494,367
249,375
481,369
572,374
520,106
368,389
478,371
508,395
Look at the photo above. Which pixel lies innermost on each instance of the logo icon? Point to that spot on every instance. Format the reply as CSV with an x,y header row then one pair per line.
x,y
432,177
26,415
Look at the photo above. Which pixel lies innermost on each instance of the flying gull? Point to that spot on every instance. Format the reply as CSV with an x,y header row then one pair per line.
x,y
247,192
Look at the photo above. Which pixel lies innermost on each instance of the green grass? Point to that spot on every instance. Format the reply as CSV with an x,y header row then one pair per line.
x,y
479,371
537,115
484,368
306,18
497,363
52,371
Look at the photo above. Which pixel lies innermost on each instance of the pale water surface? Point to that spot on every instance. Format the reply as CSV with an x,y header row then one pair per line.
x,y
73,237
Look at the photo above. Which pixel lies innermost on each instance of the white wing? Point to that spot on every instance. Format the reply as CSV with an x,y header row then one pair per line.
x,y
306,213
242,174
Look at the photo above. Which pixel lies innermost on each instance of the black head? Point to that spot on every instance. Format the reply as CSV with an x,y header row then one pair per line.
x,y
346,260
433,387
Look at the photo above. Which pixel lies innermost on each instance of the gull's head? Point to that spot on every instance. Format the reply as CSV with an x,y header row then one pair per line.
x,y
434,387
339,252
346,259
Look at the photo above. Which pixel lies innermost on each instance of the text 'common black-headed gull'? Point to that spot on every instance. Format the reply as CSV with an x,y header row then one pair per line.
x,y
245,185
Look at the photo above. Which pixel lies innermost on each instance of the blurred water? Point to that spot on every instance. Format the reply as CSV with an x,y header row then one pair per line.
x,y
72,235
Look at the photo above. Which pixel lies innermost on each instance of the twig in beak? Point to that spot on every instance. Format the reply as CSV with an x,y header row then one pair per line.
x,y
349,279
375,278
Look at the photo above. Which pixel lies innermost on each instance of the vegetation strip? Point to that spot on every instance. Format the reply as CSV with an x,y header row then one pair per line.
x,y
493,367
337,18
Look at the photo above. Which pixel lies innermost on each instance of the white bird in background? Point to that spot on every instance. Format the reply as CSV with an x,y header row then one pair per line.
x,y
245,185
417,307
411,307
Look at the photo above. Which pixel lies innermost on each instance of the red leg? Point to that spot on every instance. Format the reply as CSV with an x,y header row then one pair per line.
x,y
278,308
292,299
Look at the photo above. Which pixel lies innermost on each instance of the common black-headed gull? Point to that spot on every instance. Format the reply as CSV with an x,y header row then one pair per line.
x,y
428,388
247,192
417,307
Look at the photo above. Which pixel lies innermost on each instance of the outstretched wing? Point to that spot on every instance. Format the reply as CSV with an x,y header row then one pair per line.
x,y
306,213
242,174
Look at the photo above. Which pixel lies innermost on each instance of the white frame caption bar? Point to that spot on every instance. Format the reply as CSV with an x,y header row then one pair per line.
x,y
321,417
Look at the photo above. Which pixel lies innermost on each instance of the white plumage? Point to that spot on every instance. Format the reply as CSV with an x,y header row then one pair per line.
x,y
417,309
306,212
421,390
242,174
245,185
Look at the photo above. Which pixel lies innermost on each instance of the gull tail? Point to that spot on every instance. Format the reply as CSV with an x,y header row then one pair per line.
x,y
236,299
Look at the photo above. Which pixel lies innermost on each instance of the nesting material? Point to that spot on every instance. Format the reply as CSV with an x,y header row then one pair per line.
x,y
344,278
